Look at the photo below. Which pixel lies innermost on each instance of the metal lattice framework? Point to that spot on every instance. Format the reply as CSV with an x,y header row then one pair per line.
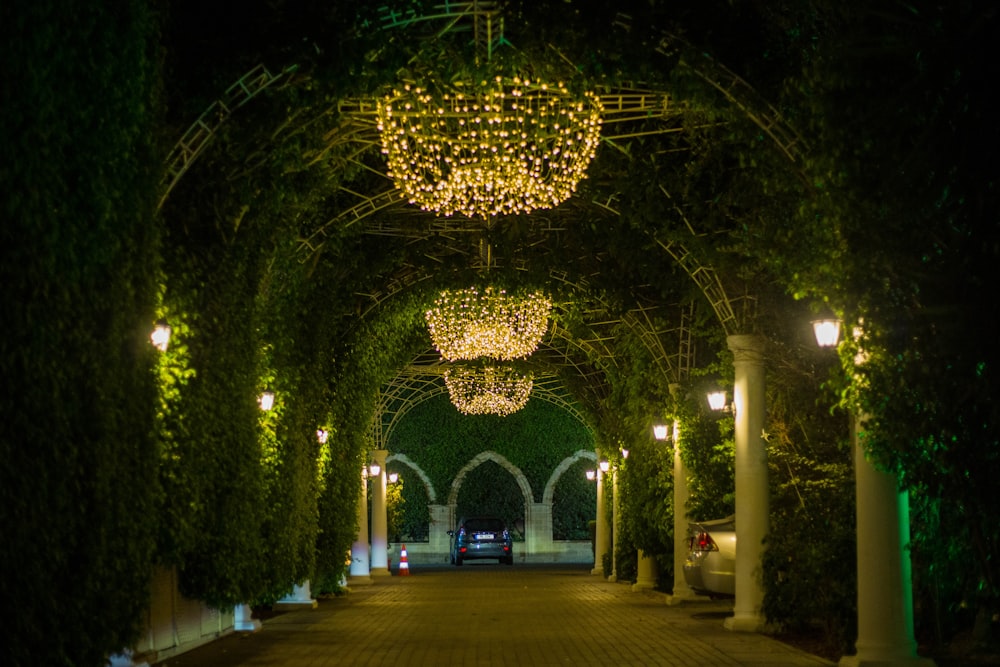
x,y
628,113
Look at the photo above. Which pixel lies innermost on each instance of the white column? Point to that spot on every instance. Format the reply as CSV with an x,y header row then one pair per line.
x,y
601,529
885,589
681,591
646,573
300,598
360,563
380,520
243,620
615,524
752,498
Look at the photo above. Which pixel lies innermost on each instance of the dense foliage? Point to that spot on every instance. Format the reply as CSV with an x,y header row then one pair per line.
x,y
78,261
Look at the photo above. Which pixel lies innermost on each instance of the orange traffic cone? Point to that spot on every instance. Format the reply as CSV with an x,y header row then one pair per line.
x,y
404,565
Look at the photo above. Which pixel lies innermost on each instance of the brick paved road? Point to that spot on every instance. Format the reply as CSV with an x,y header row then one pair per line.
x,y
492,615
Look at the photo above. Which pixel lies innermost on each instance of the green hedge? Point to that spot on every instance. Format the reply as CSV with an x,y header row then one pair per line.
x,y
78,265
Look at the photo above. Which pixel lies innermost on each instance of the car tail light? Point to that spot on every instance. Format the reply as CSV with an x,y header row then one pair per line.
x,y
703,542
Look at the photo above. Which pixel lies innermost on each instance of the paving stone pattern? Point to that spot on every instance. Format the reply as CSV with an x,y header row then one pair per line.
x,y
484,614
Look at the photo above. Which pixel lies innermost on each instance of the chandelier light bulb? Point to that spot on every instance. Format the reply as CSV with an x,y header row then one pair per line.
x,y
489,390
510,146
467,325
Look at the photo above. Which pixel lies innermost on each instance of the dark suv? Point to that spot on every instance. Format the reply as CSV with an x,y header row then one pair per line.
x,y
481,537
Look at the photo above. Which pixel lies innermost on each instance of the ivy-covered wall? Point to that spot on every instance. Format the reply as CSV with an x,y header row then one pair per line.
x,y
536,439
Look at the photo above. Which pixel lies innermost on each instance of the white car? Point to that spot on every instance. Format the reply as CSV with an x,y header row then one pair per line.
x,y
710,568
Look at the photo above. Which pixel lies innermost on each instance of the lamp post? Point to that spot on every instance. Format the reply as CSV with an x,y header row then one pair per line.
x,y
885,586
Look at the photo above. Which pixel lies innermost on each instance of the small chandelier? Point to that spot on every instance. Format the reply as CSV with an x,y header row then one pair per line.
x,y
509,146
465,324
489,390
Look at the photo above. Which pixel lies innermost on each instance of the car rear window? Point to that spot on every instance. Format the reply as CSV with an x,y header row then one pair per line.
x,y
493,525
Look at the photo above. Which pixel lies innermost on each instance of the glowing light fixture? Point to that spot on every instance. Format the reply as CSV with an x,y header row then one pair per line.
x,y
827,332
624,453
266,400
591,475
374,469
161,336
604,465
322,435
393,477
467,324
501,147
717,400
489,390
660,431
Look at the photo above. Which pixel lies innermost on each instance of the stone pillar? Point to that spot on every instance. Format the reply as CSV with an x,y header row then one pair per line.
x,y
243,620
752,497
615,524
360,564
601,533
125,659
437,531
538,532
885,589
681,592
380,519
300,598
647,572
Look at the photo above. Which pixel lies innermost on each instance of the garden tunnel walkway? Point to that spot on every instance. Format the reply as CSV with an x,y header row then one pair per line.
x,y
486,614
370,206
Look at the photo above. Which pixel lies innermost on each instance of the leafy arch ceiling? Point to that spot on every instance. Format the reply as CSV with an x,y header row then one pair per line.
x,y
372,203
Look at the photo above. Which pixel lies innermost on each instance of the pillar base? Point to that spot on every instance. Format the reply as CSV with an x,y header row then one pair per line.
x,y
683,595
380,572
613,578
598,571
126,659
242,620
861,661
643,586
744,623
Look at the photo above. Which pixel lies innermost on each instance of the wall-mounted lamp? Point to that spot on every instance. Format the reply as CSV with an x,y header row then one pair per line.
x,y
591,475
624,453
266,400
660,431
827,332
161,335
374,469
604,465
717,400
393,477
322,435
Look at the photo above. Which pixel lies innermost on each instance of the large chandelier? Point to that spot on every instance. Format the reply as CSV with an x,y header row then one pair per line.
x,y
489,390
508,146
467,324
